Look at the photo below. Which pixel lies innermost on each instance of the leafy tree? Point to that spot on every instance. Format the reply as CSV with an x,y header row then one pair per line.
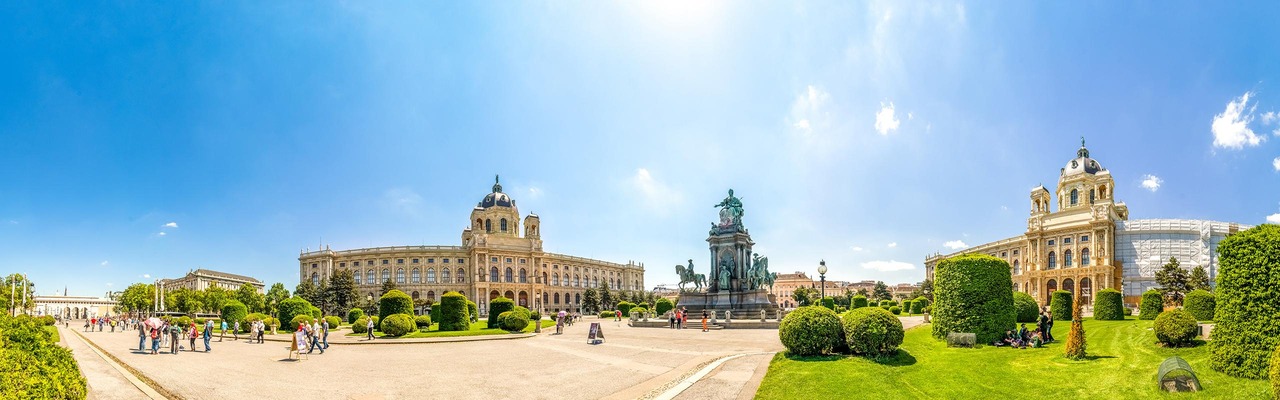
x,y
342,291
320,298
276,295
21,282
881,291
590,301
138,297
1199,279
305,290
387,286
249,296
863,292
606,298
804,296
214,298
926,289
1173,281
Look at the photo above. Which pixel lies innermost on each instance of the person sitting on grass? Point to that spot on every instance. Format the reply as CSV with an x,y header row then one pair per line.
x,y
1005,340
1037,339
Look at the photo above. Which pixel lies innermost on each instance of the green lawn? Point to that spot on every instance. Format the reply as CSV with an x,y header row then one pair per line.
x,y
54,330
1123,364
477,329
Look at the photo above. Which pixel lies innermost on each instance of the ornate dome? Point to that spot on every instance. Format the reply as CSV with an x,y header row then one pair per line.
x,y
1082,163
496,198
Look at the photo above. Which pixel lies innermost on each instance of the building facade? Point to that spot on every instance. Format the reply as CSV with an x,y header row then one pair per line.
x,y
498,257
1080,239
786,284
201,279
75,307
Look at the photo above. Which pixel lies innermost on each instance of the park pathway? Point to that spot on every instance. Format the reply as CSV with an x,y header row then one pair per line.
x,y
105,378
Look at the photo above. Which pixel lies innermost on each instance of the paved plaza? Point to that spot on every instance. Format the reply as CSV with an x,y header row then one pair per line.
x,y
632,363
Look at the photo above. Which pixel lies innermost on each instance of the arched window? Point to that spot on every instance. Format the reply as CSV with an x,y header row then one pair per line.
x,y
414,295
1075,196
557,298
493,274
502,223
509,275
462,276
1017,269
488,226
545,299
386,274
577,298
544,280
564,281
431,275
399,275
1053,260
357,277
444,275
577,281
431,295
1090,196
1084,256
315,279
524,276
369,277
1066,258
415,276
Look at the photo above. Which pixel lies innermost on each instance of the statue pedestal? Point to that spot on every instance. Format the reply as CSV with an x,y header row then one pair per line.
x,y
738,303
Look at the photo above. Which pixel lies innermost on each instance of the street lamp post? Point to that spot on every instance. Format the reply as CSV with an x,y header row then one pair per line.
x,y
822,276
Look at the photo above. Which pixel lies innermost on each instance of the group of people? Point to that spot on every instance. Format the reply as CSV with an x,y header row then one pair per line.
x,y
318,335
168,334
677,318
565,318
1021,338
100,323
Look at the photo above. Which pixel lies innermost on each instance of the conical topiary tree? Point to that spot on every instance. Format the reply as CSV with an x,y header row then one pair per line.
x,y
1075,348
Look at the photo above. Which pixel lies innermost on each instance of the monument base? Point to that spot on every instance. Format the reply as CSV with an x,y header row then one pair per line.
x,y
742,305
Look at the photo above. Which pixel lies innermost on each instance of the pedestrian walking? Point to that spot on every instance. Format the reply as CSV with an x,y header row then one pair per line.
x,y
262,328
236,331
142,337
704,320
192,333
208,334
223,333
324,331
369,328
174,332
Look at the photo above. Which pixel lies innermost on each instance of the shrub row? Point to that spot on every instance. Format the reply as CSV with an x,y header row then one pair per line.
x,y
33,365
816,330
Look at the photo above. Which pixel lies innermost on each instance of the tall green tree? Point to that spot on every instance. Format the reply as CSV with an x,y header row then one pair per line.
x,y
138,297
606,297
248,294
387,286
590,301
320,298
342,292
306,290
14,285
804,296
214,298
1173,281
275,296
1199,279
881,291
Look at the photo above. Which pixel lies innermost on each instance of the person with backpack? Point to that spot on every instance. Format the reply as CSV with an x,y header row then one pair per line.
x,y
208,333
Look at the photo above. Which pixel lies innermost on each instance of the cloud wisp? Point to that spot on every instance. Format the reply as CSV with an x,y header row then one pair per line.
x,y
1231,127
1151,182
955,245
886,120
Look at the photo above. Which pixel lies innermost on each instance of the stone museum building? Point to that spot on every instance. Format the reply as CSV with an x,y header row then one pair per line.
x,y
1079,238
498,256
201,279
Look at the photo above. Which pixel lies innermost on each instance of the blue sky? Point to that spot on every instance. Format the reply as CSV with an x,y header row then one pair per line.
x,y
143,140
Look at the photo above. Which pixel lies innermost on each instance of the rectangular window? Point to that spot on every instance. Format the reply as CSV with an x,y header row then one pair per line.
x,y
357,263
385,262
461,261
313,265
522,261
493,259
443,260
1066,240
1015,252
1084,238
370,263
399,261
415,261
1051,242
1004,254
508,260
433,261
342,265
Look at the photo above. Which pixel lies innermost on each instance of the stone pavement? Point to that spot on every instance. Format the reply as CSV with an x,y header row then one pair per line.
x,y
105,382
632,363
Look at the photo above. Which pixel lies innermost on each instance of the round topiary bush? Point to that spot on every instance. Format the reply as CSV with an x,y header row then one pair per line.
x,y
918,305
271,321
1108,305
625,307
638,312
333,321
662,306
473,311
454,314
1246,322
300,319
1060,304
895,310
233,311
497,307
397,325
395,302
858,301
1025,307
376,319
360,325
183,321
1175,328
1200,303
972,293
1152,305
607,314
513,321
248,321
292,307
423,322
811,330
534,315
872,331
829,302
354,314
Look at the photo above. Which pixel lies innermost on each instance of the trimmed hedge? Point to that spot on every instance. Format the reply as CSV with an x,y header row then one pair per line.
x,y
33,365
473,311
315,312
918,305
250,319
662,306
1025,307
829,302
895,310
1246,322
454,314
1108,305
1152,305
1200,304
333,322
515,320
298,319
233,311
608,314
858,301
497,307
625,307
1060,304
811,330
872,331
423,322
1275,374
638,312
354,314
397,325
1175,328
395,302
973,293
359,326
293,307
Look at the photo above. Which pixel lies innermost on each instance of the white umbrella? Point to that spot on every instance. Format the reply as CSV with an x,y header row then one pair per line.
x,y
154,323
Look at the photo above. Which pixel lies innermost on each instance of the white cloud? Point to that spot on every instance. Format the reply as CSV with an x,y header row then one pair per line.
x,y
888,266
1231,128
161,234
402,200
1276,164
171,225
809,111
105,263
955,245
1270,117
886,122
656,195
857,249
145,276
1274,218
893,244
1151,182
